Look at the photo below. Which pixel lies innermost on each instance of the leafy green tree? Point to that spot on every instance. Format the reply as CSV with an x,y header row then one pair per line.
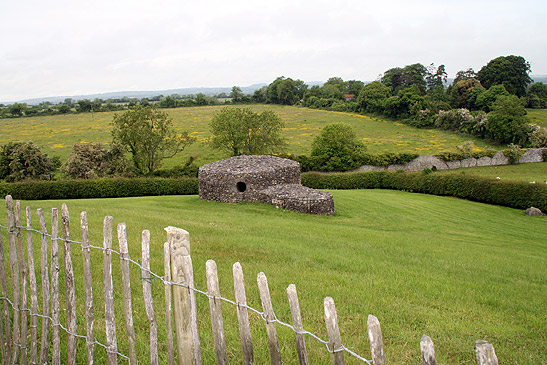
x,y
354,87
244,132
91,160
201,99
236,94
536,96
486,99
168,102
460,91
509,71
402,78
373,96
149,136
17,109
84,106
464,75
259,96
338,148
24,160
285,91
507,122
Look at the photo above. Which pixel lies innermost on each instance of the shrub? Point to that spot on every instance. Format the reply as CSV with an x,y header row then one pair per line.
x,y
91,160
514,152
338,148
506,122
23,160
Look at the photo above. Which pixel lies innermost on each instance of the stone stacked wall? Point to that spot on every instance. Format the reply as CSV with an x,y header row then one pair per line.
x,y
430,162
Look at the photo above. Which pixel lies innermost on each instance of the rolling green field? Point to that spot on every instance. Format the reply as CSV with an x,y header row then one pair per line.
x,y
537,116
57,134
455,270
536,171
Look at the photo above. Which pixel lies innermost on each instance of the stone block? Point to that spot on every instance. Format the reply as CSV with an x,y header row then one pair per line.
x,y
500,159
532,155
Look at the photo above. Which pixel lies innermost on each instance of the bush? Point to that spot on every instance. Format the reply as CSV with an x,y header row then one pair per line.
x,y
514,153
91,160
337,148
519,195
23,160
99,188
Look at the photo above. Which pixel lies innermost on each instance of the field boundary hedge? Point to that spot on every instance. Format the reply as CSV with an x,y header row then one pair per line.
x,y
519,195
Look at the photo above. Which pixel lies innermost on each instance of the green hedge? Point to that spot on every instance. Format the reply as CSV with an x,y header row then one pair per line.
x,y
520,195
99,188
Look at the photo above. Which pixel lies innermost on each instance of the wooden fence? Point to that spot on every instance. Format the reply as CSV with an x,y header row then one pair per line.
x,y
18,346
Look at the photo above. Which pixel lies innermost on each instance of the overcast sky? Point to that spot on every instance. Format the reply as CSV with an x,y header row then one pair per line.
x,y
58,48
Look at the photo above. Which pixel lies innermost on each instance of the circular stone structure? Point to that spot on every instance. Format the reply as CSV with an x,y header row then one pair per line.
x,y
240,178
266,179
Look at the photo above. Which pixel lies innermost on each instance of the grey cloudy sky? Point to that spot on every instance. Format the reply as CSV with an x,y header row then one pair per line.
x,y
61,47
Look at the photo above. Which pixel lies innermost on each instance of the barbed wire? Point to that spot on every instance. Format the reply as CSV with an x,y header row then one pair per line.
x,y
167,282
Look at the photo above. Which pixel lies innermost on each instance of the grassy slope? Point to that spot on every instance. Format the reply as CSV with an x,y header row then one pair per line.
x,y
537,116
521,172
455,270
57,134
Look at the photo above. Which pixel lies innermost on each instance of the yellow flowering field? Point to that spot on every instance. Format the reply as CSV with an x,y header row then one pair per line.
x,y
57,134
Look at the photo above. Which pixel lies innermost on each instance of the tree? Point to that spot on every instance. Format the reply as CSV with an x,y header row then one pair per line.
x,y
244,132
236,94
285,91
24,160
372,97
460,91
401,78
90,160
337,147
506,122
536,96
509,71
149,136
84,106
17,109
486,99
465,75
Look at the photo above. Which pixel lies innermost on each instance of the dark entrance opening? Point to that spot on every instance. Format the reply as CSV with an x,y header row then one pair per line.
x,y
241,186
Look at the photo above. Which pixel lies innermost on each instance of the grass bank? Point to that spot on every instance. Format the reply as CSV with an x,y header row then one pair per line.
x,y
456,270
536,171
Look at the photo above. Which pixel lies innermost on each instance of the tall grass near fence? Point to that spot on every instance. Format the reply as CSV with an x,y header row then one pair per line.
x,y
455,270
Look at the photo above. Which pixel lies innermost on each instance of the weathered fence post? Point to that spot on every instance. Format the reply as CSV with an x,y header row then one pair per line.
x,y
335,342
110,321
179,244
297,321
33,293
243,315
24,282
126,286
14,265
147,296
168,303
5,335
55,304
485,353
189,278
376,341
88,282
44,345
269,316
69,285
216,312
427,350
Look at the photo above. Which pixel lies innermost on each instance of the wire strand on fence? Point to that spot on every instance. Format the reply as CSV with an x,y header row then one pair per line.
x,y
166,282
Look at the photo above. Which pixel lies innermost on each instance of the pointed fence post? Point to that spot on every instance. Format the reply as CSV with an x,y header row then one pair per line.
x,y
485,353
376,341
126,291
88,282
24,282
14,266
6,331
335,342
33,293
243,315
69,285
55,303
297,321
428,351
217,323
110,321
147,296
46,302
168,303
269,316
179,245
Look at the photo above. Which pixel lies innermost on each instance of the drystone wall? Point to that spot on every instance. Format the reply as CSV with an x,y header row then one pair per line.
x,y
266,179
433,162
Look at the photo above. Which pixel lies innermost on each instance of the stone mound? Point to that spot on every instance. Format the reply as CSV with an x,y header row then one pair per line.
x,y
298,198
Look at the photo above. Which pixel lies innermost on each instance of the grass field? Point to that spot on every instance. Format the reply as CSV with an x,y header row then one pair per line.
x,y
537,116
57,134
455,270
521,172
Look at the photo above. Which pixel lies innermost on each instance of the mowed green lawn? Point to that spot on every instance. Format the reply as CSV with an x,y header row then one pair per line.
x,y
529,172
455,270
57,134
